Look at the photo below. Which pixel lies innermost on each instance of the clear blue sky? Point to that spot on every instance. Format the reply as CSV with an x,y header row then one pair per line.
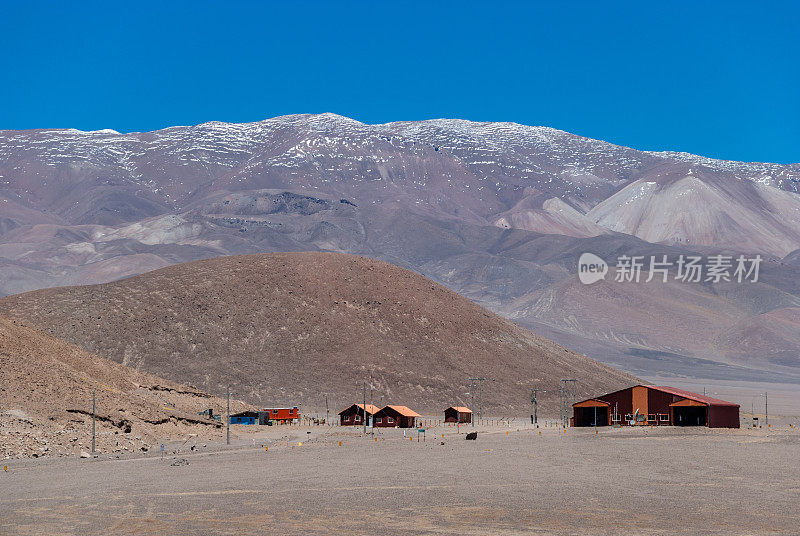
x,y
718,79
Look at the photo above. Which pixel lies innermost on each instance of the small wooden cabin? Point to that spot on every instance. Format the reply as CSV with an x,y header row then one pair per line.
x,y
458,414
354,415
396,417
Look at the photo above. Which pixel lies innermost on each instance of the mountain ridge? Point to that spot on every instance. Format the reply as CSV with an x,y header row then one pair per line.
x,y
488,209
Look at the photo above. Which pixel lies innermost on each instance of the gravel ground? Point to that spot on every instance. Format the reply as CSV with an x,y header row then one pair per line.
x,y
619,481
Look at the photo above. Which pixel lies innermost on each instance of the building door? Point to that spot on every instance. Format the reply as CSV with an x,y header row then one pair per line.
x,y
591,416
690,415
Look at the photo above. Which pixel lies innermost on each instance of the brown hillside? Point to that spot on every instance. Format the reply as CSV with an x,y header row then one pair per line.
x,y
46,391
290,328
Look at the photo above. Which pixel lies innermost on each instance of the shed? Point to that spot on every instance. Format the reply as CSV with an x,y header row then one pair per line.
x,y
655,405
354,415
244,417
396,417
458,414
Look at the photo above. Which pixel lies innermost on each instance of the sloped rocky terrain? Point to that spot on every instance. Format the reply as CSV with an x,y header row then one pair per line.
x,y
46,400
293,328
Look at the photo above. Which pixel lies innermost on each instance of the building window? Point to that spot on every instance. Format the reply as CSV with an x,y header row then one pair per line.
x,y
389,420
379,420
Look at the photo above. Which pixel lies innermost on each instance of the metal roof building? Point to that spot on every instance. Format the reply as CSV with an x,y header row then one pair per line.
x,y
655,405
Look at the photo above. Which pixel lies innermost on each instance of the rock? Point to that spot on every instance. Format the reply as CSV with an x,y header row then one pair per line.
x,y
85,454
179,462
472,436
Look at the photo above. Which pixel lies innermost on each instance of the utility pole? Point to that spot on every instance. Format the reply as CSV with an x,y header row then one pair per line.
x,y
766,407
365,407
567,394
372,403
480,396
535,404
472,407
93,419
228,419
327,418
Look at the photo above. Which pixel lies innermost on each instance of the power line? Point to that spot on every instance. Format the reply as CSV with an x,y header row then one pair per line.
x,y
534,405
568,393
480,396
365,407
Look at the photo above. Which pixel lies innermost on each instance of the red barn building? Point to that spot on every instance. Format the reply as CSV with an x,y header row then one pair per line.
x,y
396,417
354,415
283,415
458,414
652,405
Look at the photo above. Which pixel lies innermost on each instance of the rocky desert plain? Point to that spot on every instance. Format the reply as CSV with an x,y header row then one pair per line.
x,y
314,261
514,479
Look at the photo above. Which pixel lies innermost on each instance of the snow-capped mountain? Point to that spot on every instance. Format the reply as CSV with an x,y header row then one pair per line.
x,y
496,211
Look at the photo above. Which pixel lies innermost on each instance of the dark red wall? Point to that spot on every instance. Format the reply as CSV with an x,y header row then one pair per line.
x,y
351,412
659,401
623,399
723,417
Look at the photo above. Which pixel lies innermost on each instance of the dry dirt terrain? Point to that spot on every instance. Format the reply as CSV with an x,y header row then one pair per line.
x,y
46,400
290,328
620,481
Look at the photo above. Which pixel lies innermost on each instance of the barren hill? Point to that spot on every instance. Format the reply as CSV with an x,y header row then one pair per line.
x,y
46,399
293,328
498,212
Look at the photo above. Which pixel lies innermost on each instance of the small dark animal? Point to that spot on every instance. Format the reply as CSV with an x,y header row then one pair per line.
x,y
472,436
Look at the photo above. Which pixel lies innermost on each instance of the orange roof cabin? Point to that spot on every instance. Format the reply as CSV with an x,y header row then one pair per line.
x,y
458,414
396,417
283,415
354,415
655,405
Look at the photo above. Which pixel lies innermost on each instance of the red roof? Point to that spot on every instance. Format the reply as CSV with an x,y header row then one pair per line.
x,y
693,396
677,392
